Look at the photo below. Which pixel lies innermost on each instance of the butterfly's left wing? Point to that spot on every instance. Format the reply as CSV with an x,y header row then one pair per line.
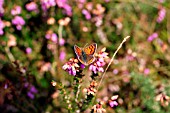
x,y
78,51
91,49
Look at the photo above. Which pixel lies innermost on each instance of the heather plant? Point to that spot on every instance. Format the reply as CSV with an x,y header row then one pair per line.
x,y
41,71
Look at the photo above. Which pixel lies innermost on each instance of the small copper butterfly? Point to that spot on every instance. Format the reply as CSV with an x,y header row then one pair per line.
x,y
86,55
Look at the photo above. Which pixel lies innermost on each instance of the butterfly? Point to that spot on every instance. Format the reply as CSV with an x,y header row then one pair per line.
x,y
86,54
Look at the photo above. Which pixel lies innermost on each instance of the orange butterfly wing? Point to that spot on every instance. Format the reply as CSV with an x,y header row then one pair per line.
x,y
91,49
78,50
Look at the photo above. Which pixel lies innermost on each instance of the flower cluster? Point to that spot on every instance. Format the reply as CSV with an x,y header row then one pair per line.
x,y
97,66
46,4
32,90
96,13
63,4
152,37
72,66
98,108
113,102
16,10
2,25
91,89
32,6
161,15
18,21
51,36
1,8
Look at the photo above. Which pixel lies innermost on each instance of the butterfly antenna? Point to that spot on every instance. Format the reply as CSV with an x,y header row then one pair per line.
x,y
86,45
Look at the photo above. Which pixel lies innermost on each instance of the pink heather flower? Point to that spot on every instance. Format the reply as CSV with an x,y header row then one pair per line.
x,y
2,25
97,66
33,90
86,13
16,10
161,15
61,41
28,50
32,6
62,55
71,66
63,4
115,71
52,36
152,37
161,1
113,101
46,4
146,71
18,21
30,95
1,8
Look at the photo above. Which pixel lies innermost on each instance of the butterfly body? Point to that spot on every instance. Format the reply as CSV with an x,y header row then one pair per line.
x,y
86,55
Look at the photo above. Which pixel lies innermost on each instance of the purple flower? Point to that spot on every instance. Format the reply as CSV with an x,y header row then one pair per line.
x,y
18,21
161,1
152,37
115,71
28,50
146,71
52,36
71,66
16,10
46,4
63,4
161,15
30,95
33,90
1,8
62,55
32,6
86,13
113,103
61,41
82,66
2,25
97,66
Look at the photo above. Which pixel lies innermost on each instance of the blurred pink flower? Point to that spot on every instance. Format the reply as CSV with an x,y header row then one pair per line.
x,y
146,71
18,21
1,8
2,25
46,4
161,15
113,102
16,10
28,50
51,36
63,4
86,13
62,55
32,6
61,41
115,71
152,37
161,1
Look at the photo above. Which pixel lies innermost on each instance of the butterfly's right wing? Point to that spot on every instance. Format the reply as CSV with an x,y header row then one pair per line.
x,y
91,49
